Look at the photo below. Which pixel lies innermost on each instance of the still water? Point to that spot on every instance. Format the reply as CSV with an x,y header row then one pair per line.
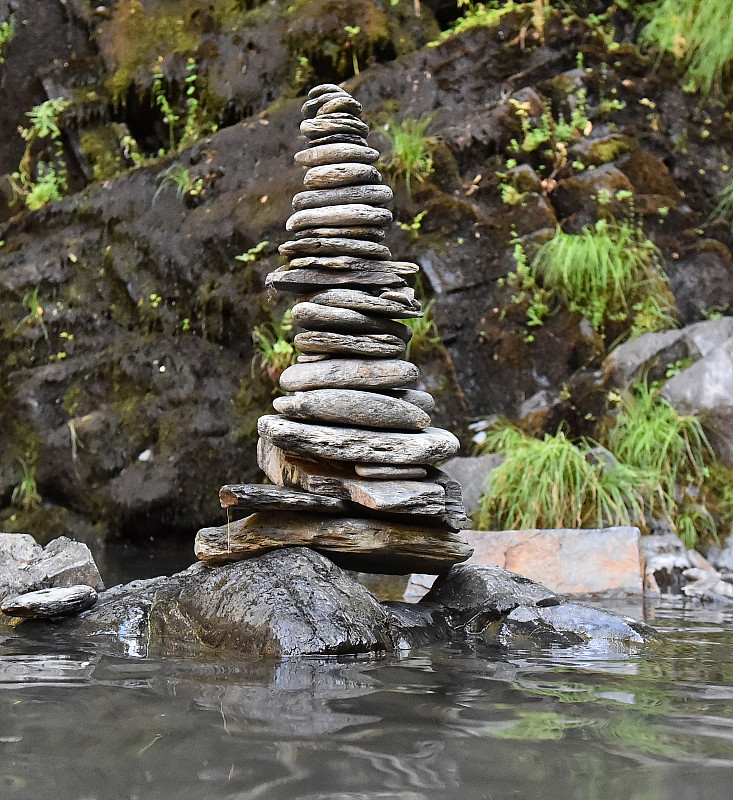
x,y
460,722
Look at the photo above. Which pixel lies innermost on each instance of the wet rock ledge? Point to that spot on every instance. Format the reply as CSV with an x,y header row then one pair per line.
x,y
295,601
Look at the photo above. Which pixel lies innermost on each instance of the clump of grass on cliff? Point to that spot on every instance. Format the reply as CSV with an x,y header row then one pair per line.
x,y
697,32
411,149
652,462
555,483
607,273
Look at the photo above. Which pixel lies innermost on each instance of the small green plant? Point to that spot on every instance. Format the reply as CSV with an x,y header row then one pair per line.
x,y
7,31
477,15
25,495
697,32
724,204
253,253
603,272
413,228
160,99
411,156
425,334
648,433
49,179
352,31
555,483
35,312
180,177
275,350
527,291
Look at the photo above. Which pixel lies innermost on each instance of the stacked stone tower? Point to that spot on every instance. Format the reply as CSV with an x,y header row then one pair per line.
x,y
350,452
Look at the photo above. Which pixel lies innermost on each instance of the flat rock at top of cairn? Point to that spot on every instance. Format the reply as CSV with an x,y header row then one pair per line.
x,y
351,453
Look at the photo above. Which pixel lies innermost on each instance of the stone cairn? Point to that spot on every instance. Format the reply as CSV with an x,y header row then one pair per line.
x,y
350,451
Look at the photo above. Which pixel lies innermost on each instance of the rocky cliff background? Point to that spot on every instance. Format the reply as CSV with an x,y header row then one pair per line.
x,y
130,379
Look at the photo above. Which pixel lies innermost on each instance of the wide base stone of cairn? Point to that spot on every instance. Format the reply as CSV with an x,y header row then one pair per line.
x,y
351,451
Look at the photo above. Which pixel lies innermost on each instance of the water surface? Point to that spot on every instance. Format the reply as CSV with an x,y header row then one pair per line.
x,y
458,722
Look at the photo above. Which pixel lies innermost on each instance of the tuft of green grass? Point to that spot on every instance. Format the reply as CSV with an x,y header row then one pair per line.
x,y
697,32
26,495
411,156
555,483
650,434
425,332
180,177
275,350
604,272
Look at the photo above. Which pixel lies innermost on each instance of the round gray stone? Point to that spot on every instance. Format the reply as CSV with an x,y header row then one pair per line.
x,y
336,154
325,318
371,345
402,308
311,106
349,373
347,214
329,124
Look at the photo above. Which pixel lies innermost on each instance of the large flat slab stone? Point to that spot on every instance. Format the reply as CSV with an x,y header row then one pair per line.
x,y
347,214
377,194
334,246
336,153
396,304
568,561
357,444
366,545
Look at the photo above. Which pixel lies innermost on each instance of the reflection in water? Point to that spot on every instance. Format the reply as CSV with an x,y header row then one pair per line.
x,y
455,722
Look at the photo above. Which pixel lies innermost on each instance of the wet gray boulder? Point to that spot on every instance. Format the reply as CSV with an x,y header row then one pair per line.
x,y
290,602
25,566
50,603
295,601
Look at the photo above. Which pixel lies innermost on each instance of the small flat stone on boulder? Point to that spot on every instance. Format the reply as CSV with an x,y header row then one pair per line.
x,y
50,603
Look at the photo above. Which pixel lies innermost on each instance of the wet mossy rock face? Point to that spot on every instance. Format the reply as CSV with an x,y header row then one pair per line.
x,y
131,398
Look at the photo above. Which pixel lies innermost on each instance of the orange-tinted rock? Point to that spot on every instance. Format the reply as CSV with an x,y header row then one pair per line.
x,y
566,561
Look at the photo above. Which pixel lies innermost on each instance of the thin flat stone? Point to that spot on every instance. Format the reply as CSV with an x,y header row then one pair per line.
x,y
397,497
420,399
324,88
334,247
345,104
50,603
347,214
352,407
455,513
328,124
336,154
311,106
331,176
261,497
310,359
370,304
365,545
342,344
356,444
354,263
339,138
382,472
300,281
367,232
315,317
372,194
349,373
